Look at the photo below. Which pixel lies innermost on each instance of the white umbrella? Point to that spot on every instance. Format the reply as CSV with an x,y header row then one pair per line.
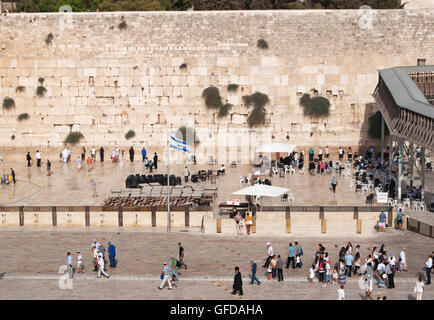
x,y
277,147
262,190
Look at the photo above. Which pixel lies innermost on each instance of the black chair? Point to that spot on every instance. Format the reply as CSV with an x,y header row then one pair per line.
x,y
194,178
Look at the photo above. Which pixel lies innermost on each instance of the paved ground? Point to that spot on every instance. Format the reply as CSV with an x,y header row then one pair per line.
x,y
31,259
69,186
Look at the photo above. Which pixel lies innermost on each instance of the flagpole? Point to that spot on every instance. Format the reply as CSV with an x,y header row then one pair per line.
x,y
168,186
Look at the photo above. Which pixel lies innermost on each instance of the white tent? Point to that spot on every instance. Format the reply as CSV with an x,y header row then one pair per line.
x,y
262,190
277,147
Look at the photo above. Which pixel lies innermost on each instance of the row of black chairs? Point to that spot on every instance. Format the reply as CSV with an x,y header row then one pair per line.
x,y
133,181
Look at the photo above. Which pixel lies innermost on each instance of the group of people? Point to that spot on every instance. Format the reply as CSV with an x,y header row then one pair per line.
x,y
97,259
170,273
240,222
274,263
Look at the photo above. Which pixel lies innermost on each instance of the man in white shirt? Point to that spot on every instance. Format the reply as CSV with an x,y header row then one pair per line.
x,y
93,153
79,262
327,152
341,293
320,154
38,158
403,259
166,277
101,267
186,174
270,255
428,267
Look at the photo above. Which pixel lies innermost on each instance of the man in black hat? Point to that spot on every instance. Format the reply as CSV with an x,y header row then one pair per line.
x,y
238,282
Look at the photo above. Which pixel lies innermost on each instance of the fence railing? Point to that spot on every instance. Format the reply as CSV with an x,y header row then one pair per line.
x,y
420,227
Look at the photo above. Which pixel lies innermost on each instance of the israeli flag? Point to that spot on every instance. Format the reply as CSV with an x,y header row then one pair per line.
x,y
177,144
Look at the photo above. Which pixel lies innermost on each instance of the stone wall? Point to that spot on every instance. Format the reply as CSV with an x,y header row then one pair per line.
x,y
104,81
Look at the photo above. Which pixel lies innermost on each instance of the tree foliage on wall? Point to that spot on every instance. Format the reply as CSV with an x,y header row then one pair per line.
x,y
316,107
374,130
157,5
212,97
258,100
130,134
74,137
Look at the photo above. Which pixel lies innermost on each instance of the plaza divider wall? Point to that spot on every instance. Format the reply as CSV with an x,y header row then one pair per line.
x,y
296,220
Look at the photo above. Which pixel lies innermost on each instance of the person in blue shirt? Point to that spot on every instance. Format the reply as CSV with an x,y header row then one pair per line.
x,y
382,222
143,154
112,254
349,263
253,268
291,256
399,216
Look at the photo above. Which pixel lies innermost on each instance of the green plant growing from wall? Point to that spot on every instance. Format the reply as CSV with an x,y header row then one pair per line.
x,y
232,87
130,134
212,97
49,38
8,103
374,130
316,107
23,116
262,44
184,132
224,110
74,137
40,90
258,100
122,25
183,66
20,89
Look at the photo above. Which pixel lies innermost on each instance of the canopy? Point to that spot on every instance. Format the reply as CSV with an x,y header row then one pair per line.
x,y
262,190
276,147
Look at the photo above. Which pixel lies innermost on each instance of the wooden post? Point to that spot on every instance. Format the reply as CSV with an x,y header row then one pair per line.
x,y
154,216
253,227
390,217
323,226
21,215
219,225
187,216
288,220
356,213
87,216
54,216
359,226
120,217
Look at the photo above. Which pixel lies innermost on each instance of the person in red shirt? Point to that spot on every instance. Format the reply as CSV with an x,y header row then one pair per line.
x,y
89,163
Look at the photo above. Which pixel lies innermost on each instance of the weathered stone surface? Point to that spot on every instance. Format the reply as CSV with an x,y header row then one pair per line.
x,y
102,75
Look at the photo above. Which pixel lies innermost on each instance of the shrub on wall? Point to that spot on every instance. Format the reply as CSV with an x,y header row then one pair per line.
x,y
49,38
8,103
122,25
224,110
212,97
130,134
232,87
20,89
40,90
184,132
23,116
258,100
316,107
262,44
74,137
183,66
374,130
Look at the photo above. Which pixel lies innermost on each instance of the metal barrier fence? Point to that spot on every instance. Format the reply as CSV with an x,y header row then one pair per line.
x,y
420,227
